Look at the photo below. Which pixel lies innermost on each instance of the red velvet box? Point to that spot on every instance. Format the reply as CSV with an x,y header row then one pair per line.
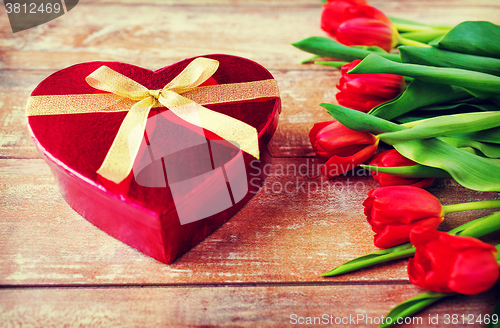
x,y
186,181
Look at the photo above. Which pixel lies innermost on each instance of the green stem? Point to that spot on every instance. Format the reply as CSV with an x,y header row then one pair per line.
x,y
476,228
402,27
414,171
399,252
472,206
412,306
310,59
424,36
408,42
480,227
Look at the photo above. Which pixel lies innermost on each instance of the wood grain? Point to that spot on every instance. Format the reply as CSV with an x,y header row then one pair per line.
x,y
56,269
298,226
225,306
108,31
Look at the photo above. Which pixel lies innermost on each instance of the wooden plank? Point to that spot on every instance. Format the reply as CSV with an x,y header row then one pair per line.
x,y
264,264
298,226
100,31
302,88
94,32
229,306
301,92
264,3
15,88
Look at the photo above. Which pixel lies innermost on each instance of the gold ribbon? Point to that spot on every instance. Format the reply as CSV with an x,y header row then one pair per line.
x,y
128,95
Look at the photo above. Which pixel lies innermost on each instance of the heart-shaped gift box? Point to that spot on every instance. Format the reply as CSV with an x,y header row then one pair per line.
x,y
187,177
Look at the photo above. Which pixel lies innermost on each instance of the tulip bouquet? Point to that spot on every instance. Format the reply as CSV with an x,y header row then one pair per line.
x,y
432,93
405,217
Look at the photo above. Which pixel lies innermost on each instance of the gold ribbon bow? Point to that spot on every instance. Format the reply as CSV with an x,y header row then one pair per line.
x,y
119,160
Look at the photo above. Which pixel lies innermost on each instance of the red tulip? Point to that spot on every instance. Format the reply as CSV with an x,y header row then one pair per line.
x,y
394,211
365,11
355,23
365,31
391,158
365,91
340,148
334,14
445,263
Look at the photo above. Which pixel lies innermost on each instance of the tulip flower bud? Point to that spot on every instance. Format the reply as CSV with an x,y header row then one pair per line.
x,y
394,211
365,11
340,148
334,14
354,22
445,263
391,158
364,31
365,91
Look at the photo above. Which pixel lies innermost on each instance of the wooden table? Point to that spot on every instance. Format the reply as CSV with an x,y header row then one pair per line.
x,y
263,266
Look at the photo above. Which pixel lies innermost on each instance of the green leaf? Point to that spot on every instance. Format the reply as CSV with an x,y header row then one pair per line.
x,y
443,58
490,135
490,150
466,107
407,22
444,125
359,121
413,171
476,228
469,170
474,38
427,112
371,259
480,227
476,83
419,94
328,48
424,35
405,25
412,306
374,49
460,229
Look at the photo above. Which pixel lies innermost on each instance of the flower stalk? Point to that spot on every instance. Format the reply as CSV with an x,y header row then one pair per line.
x,y
484,204
476,228
409,42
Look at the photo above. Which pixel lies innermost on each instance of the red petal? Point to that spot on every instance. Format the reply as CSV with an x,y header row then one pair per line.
x,y
365,11
337,165
316,128
406,203
367,32
474,272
